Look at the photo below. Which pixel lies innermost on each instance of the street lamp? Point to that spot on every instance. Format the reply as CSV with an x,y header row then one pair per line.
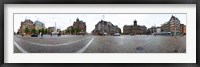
x,y
153,30
42,31
175,25
70,27
42,28
103,28
103,23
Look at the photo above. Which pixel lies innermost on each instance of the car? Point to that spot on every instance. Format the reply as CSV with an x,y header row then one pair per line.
x,y
34,35
116,34
132,34
59,34
105,33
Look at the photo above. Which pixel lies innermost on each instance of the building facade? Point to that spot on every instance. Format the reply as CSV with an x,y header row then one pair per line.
x,y
105,27
27,23
79,24
39,25
51,29
134,29
158,29
173,26
183,29
154,30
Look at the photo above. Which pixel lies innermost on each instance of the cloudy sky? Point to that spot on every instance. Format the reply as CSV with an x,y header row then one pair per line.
x,y
64,20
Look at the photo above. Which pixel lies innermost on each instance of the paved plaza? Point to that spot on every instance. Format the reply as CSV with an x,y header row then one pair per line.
x,y
100,44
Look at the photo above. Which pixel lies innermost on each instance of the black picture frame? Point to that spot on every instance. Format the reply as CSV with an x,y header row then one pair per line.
x,y
2,2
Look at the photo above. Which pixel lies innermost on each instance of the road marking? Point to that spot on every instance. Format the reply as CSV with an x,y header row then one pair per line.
x,y
54,44
20,48
85,47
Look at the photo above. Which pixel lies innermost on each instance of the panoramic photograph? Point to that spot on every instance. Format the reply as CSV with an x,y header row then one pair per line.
x,y
99,33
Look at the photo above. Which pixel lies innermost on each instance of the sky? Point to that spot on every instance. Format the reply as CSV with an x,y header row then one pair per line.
x,y
65,20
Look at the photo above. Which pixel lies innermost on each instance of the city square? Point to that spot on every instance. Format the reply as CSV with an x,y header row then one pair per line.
x,y
100,44
100,34
103,36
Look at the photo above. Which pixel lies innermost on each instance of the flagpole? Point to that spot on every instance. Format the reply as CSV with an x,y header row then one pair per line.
x,y
175,25
70,25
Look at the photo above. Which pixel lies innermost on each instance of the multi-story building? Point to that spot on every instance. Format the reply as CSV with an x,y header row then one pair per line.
x,y
106,27
51,29
127,29
39,25
79,24
158,29
26,24
165,27
58,30
119,30
183,29
69,30
154,30
134,29
172,26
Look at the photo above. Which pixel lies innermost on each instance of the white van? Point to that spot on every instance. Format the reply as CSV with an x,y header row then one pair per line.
x,y
116,34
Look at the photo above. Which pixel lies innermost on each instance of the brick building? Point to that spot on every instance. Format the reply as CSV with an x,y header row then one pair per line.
x,y
27,23
79,24
183,29
173,26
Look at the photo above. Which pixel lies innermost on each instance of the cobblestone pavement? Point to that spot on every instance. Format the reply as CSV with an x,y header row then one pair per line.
x,y
100,44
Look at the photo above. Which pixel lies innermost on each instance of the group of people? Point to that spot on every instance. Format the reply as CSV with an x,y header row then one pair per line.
x,y
41,34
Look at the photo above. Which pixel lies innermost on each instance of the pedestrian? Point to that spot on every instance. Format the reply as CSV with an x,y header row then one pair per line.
x,y
51,34
42,35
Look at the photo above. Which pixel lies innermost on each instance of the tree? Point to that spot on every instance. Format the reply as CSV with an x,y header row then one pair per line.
x,y
34,30
41,30
67,31
45,31
77,30
72,31
26,30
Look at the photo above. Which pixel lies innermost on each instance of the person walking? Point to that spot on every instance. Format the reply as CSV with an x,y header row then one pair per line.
x,y
22,34
42,35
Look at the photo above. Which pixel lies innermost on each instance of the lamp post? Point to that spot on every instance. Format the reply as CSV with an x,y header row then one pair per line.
x,y
103,28
153,30
42,31
70,27
103,23
175,25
